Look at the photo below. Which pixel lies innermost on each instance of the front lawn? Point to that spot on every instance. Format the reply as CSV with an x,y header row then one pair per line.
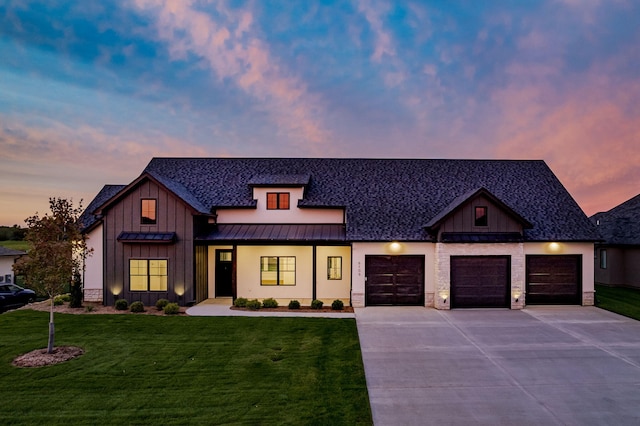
x,y
623,301
140,369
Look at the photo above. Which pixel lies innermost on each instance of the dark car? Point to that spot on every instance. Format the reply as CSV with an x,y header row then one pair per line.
x,y
13,296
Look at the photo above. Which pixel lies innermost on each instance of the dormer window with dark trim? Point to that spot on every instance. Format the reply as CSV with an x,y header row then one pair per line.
x,y
149,211
481,216
277,201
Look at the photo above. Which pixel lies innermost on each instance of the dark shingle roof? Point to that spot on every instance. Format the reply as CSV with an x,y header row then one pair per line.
x,y
4,251
88,219
385,198
621,224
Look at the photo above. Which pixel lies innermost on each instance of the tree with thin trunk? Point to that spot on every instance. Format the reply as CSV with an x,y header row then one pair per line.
x,y
58,250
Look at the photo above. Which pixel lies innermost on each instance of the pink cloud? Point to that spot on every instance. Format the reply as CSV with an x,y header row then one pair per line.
x,y
589,136
236,55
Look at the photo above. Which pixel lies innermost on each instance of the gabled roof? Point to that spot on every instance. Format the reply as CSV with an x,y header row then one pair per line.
x,y
459,201
621,224
4,251
88,219
384,199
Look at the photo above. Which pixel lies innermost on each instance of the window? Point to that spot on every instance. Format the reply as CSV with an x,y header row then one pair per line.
x,y
334,267
148,212
148,275
277,201
603,258
481,217
277,270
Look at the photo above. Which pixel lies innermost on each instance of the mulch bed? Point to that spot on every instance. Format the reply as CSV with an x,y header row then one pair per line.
x,y
40,357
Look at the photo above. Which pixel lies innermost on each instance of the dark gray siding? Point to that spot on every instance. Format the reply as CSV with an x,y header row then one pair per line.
x,y
462,220
173,216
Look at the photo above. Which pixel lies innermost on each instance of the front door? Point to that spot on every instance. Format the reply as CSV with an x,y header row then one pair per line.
x,y
224,273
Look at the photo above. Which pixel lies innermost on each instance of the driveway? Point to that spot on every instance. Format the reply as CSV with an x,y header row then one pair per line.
x,y
538,366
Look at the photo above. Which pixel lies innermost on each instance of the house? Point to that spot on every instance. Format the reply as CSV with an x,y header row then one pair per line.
x,y
437,233
7,258
617,260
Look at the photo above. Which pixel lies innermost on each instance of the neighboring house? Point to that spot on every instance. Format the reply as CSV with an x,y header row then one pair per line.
x,y
617,260
7,258
440,233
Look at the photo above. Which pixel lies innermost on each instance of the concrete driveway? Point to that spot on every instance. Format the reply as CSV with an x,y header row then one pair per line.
x,y
539,366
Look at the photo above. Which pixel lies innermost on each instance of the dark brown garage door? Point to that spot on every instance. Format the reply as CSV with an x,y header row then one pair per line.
x,y
480,281
394,280
554,280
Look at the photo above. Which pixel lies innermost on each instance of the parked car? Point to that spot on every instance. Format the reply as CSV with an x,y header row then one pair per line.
x,y
13,296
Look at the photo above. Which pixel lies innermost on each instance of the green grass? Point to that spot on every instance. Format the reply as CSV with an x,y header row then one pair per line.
x,y
16,245
623,301
184,370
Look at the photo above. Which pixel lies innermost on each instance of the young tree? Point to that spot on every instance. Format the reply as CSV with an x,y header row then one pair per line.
x,y
58,250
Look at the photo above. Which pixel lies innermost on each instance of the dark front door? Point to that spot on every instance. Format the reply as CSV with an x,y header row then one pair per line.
x,y
554,279
394,280
224,273
480,281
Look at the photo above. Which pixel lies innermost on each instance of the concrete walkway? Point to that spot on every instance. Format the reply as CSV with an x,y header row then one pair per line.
x,y
539,366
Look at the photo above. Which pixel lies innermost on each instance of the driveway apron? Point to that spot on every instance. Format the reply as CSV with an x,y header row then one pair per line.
x,y
568,365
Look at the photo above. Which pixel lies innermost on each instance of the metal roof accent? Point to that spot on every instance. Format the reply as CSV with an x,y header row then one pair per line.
x,y
277,232
147,237
481,237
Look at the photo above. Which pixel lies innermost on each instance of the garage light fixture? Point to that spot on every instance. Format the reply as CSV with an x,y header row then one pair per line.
x,y
444,295
554,247
516,295
395,246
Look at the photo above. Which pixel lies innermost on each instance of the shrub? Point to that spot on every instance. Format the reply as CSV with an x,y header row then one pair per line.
x,y
161,303
171,309
137,307
254,304
240,302
88,308
270,303
121,305
294,304
316,304
58,300
75,298
337,305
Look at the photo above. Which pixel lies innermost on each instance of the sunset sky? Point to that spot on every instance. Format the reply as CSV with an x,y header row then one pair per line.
x,y
91,91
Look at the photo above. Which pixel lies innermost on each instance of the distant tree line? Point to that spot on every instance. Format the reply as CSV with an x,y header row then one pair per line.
x,y
12,233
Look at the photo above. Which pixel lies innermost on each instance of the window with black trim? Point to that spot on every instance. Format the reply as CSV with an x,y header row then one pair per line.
x,y
277,270
480,218
148,274
334,267
148,209
603,258
277,201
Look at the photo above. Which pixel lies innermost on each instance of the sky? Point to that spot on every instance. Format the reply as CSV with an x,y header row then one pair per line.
x,y
91,91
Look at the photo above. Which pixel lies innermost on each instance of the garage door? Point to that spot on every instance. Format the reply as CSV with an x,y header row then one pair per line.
x,y
394,280
480,281
554,280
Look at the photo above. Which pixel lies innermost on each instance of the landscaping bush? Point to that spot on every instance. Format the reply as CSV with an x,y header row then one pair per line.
x,y
270,303
58,300
316,304
88,308
337,305
171,309
65,297
161,303
121,305
75,298
240,302
137,307
294,304
253,304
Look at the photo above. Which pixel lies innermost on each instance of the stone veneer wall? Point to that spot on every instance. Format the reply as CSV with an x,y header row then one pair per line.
x,y
444,252
93,295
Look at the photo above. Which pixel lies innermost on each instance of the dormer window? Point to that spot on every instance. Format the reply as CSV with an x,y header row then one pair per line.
x,y
148,210
277,201
481,216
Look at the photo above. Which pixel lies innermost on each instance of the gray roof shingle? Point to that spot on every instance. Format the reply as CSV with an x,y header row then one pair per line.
x,y
621,224
88,219
384,199
5,251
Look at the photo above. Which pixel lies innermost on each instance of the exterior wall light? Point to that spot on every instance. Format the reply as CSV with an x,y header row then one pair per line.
x,y
444,295
554,247
516,295
395,246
